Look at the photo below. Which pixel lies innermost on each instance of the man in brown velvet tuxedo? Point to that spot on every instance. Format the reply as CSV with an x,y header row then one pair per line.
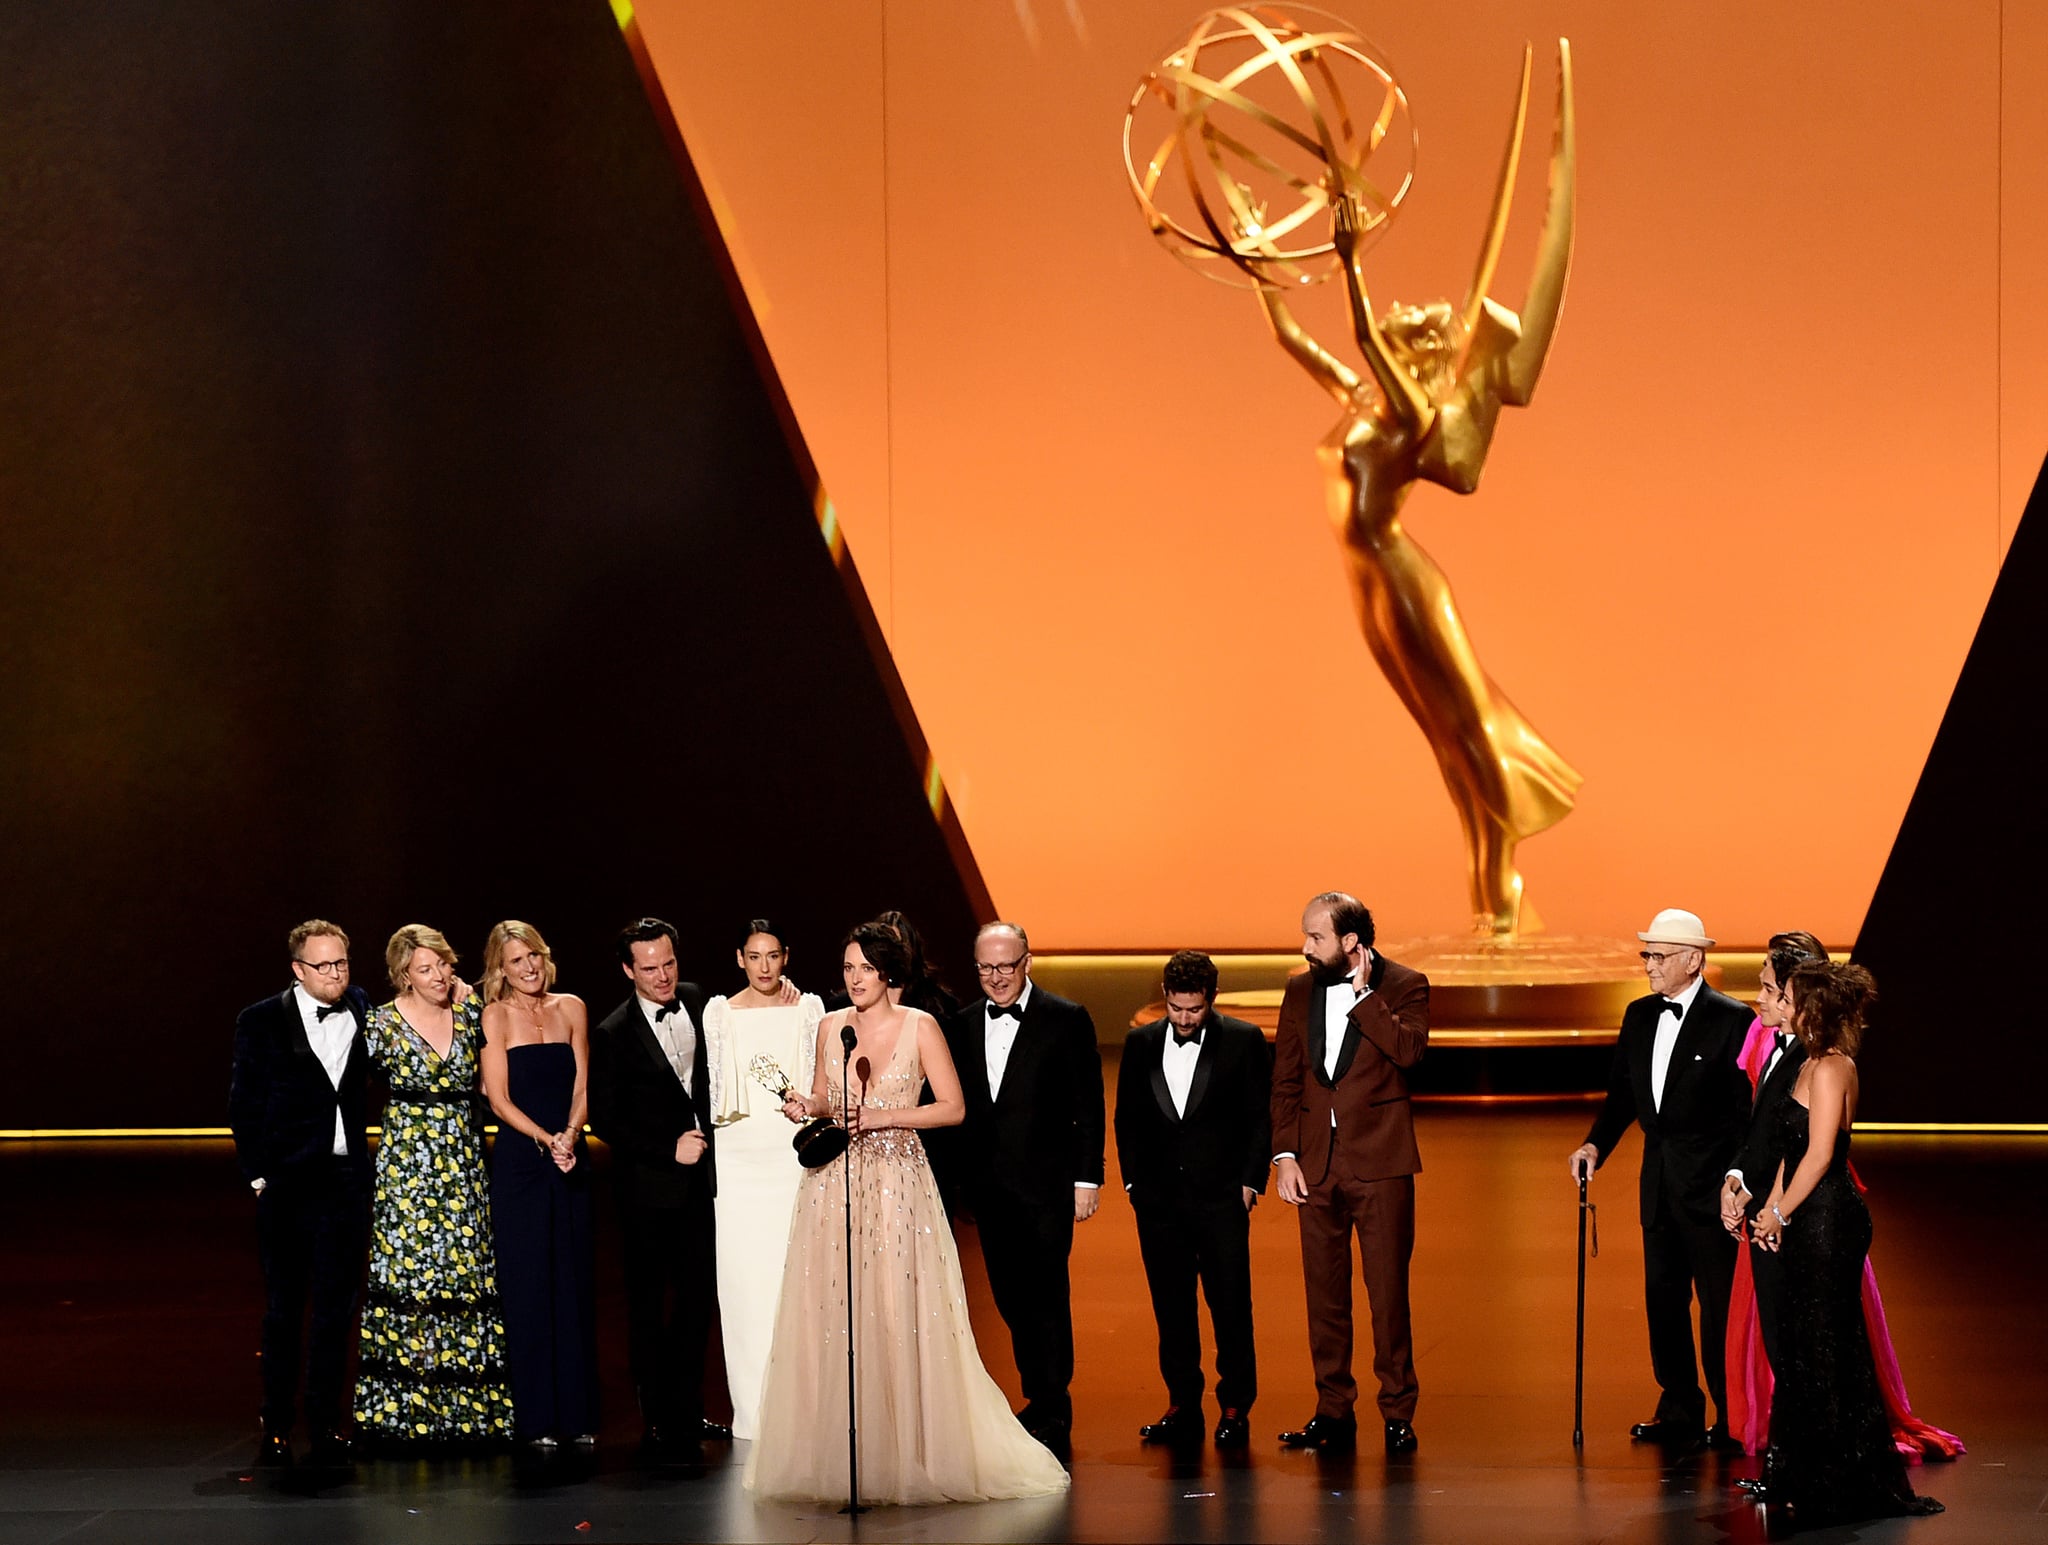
x,y
1344,1143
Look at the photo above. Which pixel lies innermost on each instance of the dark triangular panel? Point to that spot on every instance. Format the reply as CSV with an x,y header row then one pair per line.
x,y
397,526
1952,930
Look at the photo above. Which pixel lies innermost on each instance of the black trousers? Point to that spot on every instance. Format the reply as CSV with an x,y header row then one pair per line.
x,y
1185,1240
1681,1261
1025,1245
671,1286
313,1236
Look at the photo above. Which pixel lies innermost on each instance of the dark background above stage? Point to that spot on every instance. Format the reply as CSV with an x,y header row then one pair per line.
x,y
1954,927
396,529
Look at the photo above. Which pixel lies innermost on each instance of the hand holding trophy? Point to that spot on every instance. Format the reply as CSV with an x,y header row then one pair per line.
x,y
819,1141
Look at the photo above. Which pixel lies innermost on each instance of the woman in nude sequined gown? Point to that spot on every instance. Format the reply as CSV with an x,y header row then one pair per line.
x,y
933,1425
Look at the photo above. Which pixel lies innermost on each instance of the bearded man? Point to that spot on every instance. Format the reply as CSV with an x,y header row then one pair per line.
x,y
1344,1144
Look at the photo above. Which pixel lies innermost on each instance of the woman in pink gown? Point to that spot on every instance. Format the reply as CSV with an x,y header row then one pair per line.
x,y
1749,1370
933,1425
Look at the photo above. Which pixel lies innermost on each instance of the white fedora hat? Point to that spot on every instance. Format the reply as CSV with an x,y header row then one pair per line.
x,y
1672,926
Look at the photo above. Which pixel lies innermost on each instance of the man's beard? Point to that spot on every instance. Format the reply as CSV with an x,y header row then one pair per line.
x,y
1327,973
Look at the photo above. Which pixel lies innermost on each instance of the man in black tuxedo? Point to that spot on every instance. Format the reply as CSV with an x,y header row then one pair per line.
x,y
298,1103
1675,1072
1784,955
1193,1131
1030,1157
650,1100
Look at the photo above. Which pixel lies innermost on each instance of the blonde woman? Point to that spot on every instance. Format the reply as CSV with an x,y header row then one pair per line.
x,y
536,1065
433,1360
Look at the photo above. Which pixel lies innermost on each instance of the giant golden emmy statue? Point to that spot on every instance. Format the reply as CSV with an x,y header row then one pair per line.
x,y
1275,160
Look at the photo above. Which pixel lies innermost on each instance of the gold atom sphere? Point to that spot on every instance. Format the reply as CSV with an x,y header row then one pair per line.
x,y
1263,116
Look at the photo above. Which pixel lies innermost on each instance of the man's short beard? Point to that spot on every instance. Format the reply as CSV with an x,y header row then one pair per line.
x,y
1326,973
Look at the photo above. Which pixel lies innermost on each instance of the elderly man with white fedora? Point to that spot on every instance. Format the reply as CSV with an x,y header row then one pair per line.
x,y
1675,1073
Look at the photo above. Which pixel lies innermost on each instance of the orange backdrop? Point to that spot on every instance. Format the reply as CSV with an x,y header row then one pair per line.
x,y
1728,562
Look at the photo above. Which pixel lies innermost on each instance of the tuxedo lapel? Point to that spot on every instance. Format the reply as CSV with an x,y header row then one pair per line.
x,y
1348,1048
1024,1050
970,1056
1693,1032
295,1030
1787,1069
1318,1033
650,1043
1155,1055
1205,1064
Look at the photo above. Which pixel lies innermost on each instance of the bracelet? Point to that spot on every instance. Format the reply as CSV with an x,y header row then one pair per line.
x,y
1783,1221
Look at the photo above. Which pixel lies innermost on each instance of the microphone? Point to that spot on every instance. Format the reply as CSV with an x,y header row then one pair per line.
x,y
847,1037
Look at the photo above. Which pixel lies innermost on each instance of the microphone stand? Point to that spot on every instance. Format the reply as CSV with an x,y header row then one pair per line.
x,y
847,1037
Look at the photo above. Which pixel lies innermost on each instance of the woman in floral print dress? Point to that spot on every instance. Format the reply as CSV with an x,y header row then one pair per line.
x,y
433,1342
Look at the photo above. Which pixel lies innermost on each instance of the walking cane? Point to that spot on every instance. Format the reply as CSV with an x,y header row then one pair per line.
x,y
1587,1212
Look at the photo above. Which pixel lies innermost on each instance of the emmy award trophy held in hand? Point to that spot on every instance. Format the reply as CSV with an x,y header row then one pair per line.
x,y
1269,150
817,1142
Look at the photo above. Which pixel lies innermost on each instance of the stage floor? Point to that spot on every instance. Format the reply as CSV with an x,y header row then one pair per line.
x,y
129,1309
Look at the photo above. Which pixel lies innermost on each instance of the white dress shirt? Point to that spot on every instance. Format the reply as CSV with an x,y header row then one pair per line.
x,y
1177,1062
1338,1002
1668,1026
678,1037
999,1036
331,1039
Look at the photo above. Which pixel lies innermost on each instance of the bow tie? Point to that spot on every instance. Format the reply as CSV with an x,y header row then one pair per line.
x,y
665,1010
1193,1037
1784,1040
1677,1010
320,1015
1013,1011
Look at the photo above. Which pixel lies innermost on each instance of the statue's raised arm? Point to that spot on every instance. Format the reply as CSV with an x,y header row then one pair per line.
x,y
1329,372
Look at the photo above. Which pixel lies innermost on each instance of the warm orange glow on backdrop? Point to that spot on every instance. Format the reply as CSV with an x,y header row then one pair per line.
x,y
1729,560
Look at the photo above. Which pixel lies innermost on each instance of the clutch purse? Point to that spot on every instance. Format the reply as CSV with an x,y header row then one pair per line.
x,y
818,1141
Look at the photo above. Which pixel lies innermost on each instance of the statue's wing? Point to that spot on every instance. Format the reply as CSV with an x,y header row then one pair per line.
x,y
1553,250
1503,200
1504,353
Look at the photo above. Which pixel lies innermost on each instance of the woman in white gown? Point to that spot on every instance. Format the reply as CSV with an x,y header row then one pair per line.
x,y
933,1425
758,1171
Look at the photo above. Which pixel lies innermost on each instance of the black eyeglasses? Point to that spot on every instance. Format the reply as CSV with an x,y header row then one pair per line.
x,y
325,967
1002,968
1658,957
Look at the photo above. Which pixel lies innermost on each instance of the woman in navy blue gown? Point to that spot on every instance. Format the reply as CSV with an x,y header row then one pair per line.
x,y
536,1060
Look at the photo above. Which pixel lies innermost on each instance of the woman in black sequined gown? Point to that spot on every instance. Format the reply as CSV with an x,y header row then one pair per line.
x,y
1835,1460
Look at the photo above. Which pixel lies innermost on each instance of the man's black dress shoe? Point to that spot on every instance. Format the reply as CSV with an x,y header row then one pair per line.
x,y
1233,1429
275,1452
1667,1432
331,1449
669,1445
1400,1438
714,1432
1323,1432
1180,1424
1721,1441
1056,1432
